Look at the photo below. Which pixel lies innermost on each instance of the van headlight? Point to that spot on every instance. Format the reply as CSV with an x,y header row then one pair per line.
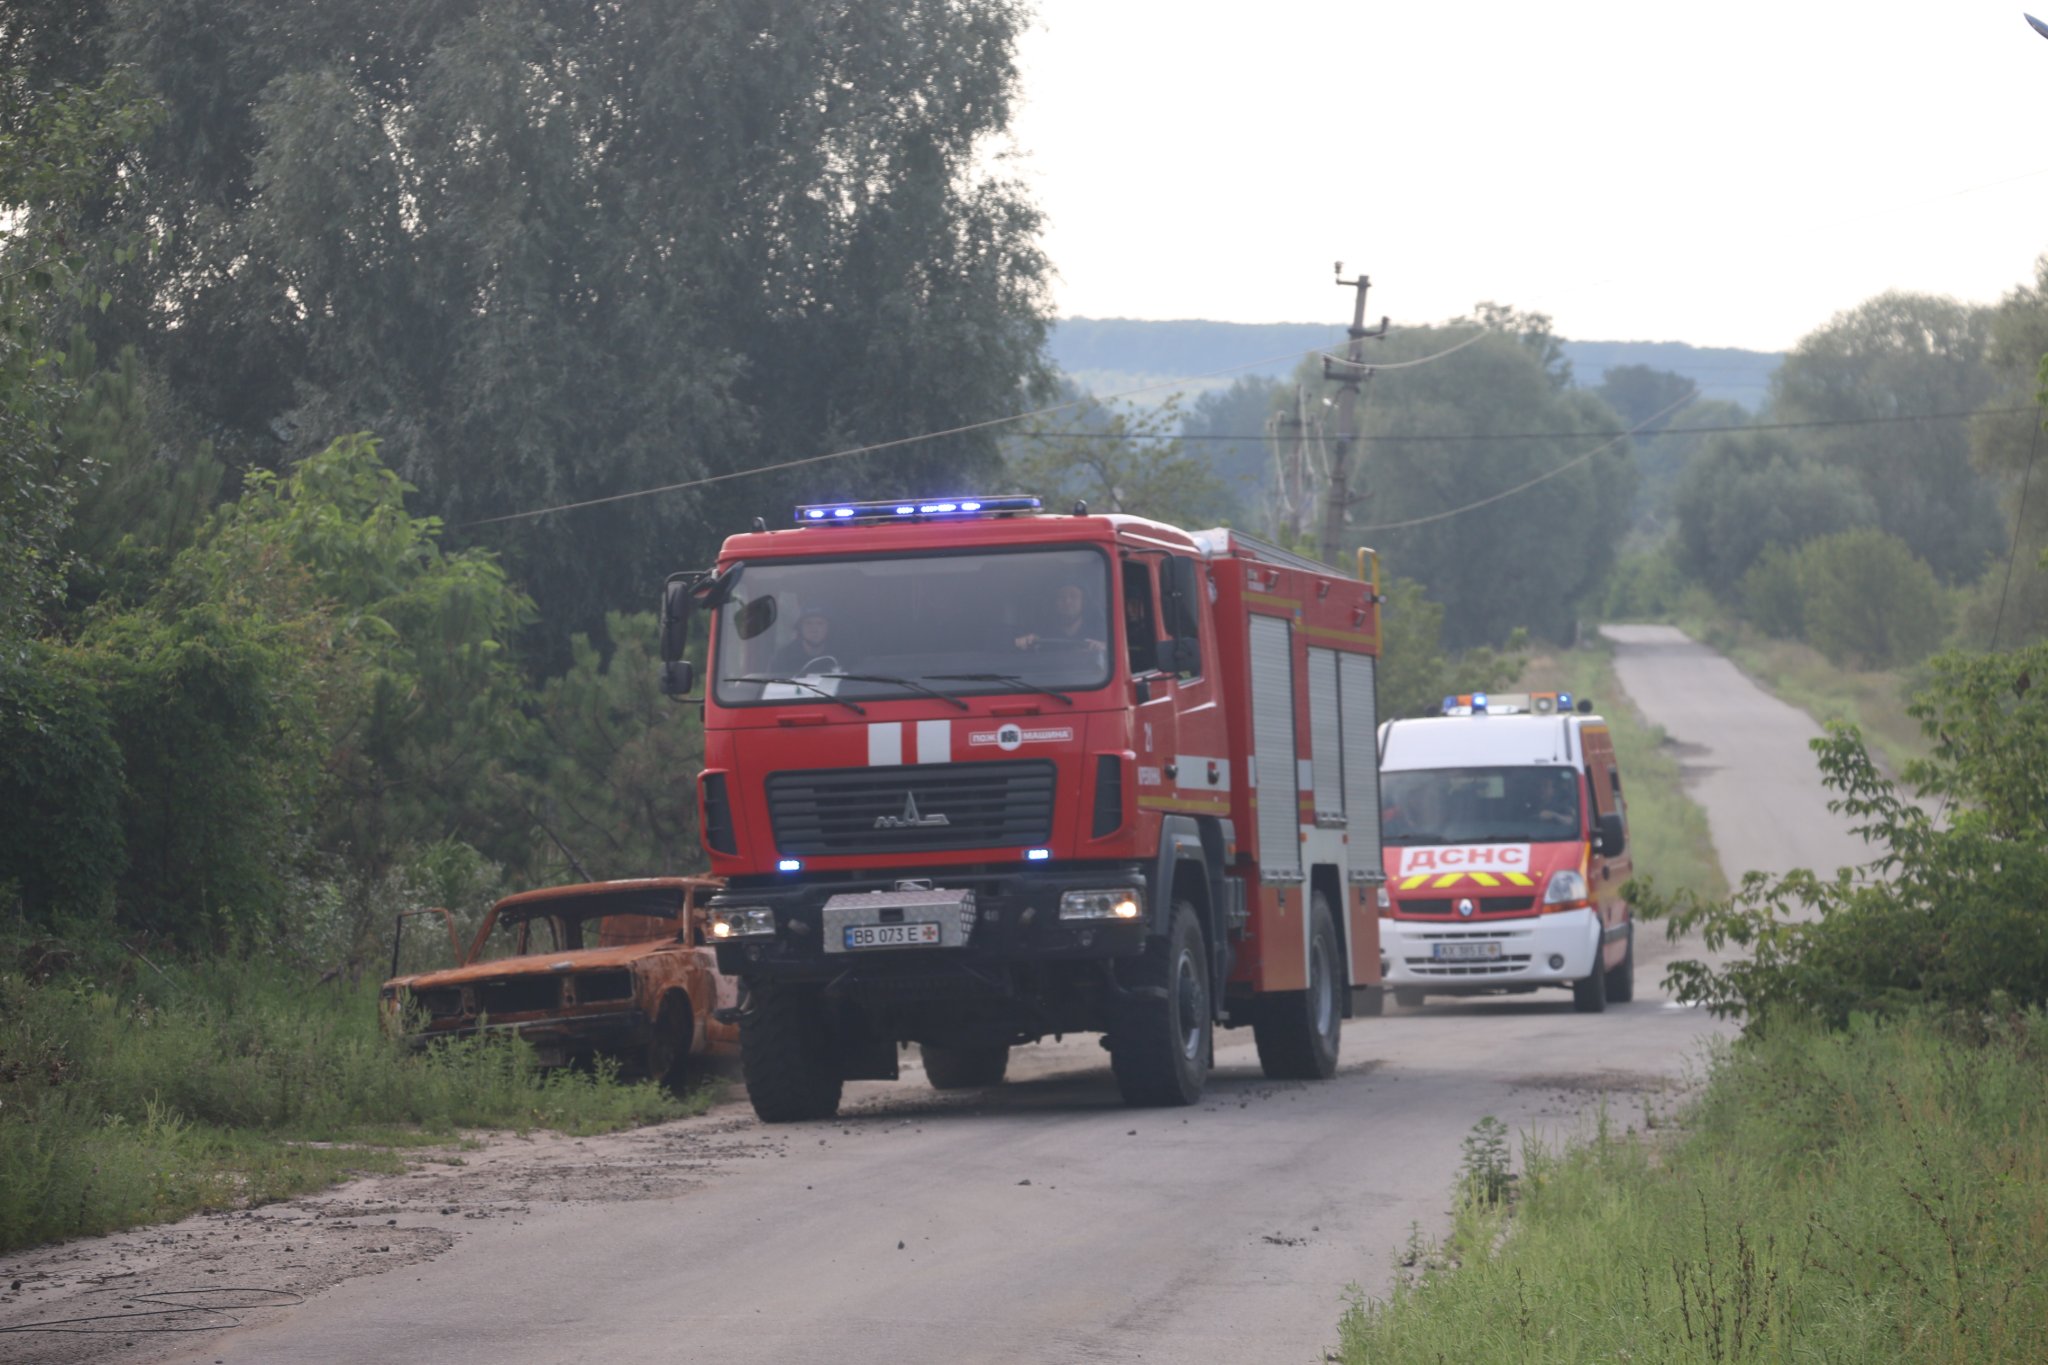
x,y
1567,891
1116,903
751,921
1386,901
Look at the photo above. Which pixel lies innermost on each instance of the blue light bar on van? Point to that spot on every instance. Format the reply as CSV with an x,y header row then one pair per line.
x,y
845,513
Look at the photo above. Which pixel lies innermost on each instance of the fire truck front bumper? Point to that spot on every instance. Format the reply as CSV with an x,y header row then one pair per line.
x,y
1460,958
905,933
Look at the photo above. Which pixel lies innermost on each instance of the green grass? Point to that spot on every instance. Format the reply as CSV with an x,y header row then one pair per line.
x,y
1668,834
1878,1194
149,1096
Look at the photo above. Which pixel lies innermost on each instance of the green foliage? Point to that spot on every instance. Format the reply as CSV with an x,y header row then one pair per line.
x,y
555,253
1948,914
1415,671
1524,561
128,1098
1483,1168
1874,1194
1645,585
56,147
1244,463
1869,600
613,760
1902,354
60,790
1773,593
1747,492
1127,461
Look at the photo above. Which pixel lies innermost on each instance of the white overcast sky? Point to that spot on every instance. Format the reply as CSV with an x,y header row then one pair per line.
x,y
1726,174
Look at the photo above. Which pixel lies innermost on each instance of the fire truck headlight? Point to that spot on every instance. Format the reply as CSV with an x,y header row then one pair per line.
x,y
1116,903
1567,891
745,922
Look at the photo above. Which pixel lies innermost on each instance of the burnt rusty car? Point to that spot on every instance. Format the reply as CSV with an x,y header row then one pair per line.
x,y
619,969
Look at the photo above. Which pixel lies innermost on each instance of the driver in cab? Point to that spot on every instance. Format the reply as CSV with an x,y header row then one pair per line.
x,y
811,650
1069,626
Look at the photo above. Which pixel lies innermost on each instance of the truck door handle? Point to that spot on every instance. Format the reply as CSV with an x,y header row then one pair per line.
x,y
1173,770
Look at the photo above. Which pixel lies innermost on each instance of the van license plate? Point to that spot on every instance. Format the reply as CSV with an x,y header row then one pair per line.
x,y
1466,952
921,935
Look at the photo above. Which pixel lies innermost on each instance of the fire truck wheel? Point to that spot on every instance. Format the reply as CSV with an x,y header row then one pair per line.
x,y
964,1068
1159,1043
1298,1032
1621,982
786,1054
1590,996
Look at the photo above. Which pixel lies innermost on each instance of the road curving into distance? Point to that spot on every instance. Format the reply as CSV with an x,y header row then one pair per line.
x,y
1042,1221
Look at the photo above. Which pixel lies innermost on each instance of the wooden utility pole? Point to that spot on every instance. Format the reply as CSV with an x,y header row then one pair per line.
x,y
1350,373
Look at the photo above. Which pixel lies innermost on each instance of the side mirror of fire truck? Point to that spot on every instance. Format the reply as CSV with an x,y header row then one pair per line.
x,y
678,675
1180,655
1613,837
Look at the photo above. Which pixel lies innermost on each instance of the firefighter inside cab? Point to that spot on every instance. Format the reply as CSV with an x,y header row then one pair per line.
x,y
1506,851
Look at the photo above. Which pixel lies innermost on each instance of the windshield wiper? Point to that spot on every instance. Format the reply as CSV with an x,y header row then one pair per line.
x,y
854,707
901,682
1012,679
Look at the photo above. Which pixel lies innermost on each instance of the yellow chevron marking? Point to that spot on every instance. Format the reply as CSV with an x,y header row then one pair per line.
x,y
1519,878
1485,878
1448,879
1410,883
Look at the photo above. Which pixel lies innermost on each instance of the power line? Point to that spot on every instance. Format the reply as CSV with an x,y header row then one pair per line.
x,y
1638,433
930,436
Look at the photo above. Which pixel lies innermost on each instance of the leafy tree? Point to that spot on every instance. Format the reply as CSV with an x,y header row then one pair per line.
x,y
1950,917
555,253
1751,490
1869,600
613,760
1444,435
1243,464
1122,460
1893,355
1773,592
1416,673
56,150
2005,445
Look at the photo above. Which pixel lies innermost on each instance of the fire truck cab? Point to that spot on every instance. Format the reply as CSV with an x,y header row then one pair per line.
x,y
977,776
1506,852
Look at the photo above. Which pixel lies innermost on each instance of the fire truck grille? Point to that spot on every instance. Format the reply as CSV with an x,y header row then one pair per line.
x,y
913,808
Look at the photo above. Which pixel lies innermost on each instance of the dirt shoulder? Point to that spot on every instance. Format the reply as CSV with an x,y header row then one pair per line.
x,y
149,1294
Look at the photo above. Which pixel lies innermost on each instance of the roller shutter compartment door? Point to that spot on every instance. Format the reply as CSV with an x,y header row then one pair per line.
x,y
1358,696
1273,749
1325,736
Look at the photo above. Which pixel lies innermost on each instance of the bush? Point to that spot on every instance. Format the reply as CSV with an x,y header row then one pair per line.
x,y
1946,915
60,790
1773,595
1870,600
1645,585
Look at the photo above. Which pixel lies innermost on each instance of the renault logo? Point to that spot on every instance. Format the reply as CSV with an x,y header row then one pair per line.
x,y
1465,907
910,819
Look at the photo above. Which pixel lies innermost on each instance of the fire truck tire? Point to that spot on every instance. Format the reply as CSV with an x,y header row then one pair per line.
x,y
1590,995
1159,1040
786,1054
964,1068
1298,1032
1621,982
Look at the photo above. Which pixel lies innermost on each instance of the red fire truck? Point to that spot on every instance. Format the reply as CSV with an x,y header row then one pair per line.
x,y
977,775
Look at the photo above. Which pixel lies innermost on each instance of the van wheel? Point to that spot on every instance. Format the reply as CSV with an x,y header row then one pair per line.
x,y
1159,1040
1590,996
786,1054
1621,982
964,1068
1298,1032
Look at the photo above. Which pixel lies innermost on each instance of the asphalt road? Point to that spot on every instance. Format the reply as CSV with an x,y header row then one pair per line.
x,y
1042,1221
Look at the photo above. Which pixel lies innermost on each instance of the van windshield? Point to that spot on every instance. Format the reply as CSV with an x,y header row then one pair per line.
x,y
1480,805
889,627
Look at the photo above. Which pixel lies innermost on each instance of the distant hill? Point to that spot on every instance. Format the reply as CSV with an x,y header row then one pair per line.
x,y
1115,355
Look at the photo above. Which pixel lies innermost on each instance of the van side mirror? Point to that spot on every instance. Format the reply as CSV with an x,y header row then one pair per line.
x,y
1612,838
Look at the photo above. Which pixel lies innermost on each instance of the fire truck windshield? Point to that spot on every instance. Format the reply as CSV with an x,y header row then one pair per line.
x,y
883,628
1480,805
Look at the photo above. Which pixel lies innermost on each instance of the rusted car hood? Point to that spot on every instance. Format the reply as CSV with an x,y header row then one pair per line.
x,y
539,964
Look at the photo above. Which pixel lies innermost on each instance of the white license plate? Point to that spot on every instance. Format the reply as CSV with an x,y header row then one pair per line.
x,y
1465,952
923,935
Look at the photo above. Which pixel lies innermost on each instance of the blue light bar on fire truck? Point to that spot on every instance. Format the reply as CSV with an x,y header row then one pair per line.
x,y
910,509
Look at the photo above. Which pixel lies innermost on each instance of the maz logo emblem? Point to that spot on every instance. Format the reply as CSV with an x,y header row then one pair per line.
x,y
910,819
